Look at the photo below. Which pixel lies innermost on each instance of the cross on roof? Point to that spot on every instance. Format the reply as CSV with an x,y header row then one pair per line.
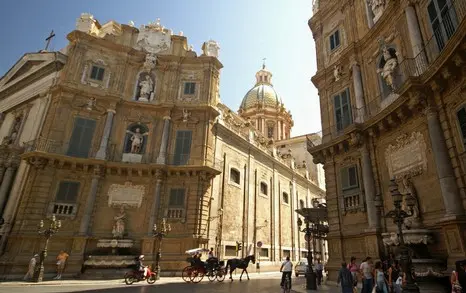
x,y
48,39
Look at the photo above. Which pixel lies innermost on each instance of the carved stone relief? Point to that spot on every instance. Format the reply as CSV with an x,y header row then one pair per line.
x,y
407,156
127,194
153,38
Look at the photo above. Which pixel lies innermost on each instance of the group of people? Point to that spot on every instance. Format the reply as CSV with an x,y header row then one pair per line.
x,y
383,277
387,276
287,268
61,264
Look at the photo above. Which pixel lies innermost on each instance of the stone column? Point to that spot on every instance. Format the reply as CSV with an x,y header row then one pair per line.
x,y
155,203
369,189
6,184
450,193
102,153
370,21
415,38
358,93
162,158
89,208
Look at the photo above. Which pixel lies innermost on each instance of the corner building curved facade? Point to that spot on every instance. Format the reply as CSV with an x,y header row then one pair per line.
x,y
391,82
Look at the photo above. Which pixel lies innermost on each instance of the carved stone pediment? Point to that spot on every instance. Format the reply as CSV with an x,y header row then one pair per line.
x,y
153,38
407,156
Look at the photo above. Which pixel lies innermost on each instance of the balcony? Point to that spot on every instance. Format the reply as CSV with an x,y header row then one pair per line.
x,y
61,151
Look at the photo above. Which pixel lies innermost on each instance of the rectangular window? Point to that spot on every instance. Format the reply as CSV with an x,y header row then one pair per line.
x,y
67,192
342,105
461,115
189,88
264,252
182,147
349,178
230,250
270,131
97,73
264,189
285,198
334,40
442,18
177,197
81,139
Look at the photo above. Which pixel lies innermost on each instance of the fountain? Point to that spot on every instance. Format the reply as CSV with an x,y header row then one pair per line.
x,y
430,273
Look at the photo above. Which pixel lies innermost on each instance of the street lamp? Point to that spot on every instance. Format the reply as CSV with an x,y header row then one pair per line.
x,y
314,219
55,225
160,235
399,215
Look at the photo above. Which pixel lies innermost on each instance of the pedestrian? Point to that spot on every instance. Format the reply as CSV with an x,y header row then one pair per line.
x,y
31,267
458,277
353,268
319,271
61,263
367,275
394,277
345,279
380,281
462,275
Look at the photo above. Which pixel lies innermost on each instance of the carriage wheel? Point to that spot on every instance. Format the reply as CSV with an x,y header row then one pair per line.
x,y
221,273
212,274
197,275
186,274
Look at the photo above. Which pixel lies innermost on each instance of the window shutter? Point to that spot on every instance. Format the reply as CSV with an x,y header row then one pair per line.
x,y
182,147
353,176
94,72
344,178
337,38
338,112
177,197
332,43
81,139
67,192
462,121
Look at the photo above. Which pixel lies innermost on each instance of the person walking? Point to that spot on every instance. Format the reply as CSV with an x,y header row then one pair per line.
x,y
286,269
61,263
353,268
380,280
31,267
345,279
394,277
319,271
367,275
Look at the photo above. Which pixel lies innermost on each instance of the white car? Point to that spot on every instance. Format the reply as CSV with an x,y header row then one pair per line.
x,y
300,268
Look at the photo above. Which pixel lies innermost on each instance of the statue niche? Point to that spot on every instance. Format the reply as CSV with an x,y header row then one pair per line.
x,y
135,143
14,132
389,70
145,88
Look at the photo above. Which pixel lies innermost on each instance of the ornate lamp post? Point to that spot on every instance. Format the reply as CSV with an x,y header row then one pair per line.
x,y
399,215
55,225
160,235
314,219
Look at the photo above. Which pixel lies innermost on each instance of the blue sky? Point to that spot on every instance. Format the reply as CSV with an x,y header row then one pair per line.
x,y
247,31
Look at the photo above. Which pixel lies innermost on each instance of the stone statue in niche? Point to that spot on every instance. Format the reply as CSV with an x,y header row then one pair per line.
x,y
377,7
390,64
186,115
410,190
337,72
136,140
11,139
146,88
119,225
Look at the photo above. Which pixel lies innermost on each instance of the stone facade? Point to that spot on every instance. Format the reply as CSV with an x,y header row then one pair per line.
x,y
134,133
392,95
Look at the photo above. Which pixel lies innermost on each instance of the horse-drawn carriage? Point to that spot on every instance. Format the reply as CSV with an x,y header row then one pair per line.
x,y
195,272
213,268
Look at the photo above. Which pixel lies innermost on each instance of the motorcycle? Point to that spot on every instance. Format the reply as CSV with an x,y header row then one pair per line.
x,y
137,276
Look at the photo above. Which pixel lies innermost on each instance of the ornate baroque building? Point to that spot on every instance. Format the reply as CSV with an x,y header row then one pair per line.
x,y
391,81
125,128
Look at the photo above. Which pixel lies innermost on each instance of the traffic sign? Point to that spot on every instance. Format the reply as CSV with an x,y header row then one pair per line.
x,y
259,244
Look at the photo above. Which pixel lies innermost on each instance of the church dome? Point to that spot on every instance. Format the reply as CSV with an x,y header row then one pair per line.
x,y
262,93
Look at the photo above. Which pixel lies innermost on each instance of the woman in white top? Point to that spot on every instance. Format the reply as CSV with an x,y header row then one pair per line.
x,y
286,269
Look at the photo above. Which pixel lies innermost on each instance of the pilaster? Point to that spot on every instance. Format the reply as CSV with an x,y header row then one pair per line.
x,y
88,210
162,157
102,153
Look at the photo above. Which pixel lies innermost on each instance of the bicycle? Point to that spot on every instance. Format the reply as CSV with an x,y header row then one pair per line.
x,y
287,285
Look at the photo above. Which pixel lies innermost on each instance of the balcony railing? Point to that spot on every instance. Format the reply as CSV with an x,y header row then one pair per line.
x,y
44,145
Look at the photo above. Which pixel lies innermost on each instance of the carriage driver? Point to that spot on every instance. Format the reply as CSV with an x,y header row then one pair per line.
x,y
211,259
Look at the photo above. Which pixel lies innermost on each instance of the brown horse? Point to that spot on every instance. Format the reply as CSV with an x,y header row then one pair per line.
x,y
236,263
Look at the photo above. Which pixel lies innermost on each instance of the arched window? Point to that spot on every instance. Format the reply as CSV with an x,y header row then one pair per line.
x,y
136,139
235,176
264,188
285,198
301,204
